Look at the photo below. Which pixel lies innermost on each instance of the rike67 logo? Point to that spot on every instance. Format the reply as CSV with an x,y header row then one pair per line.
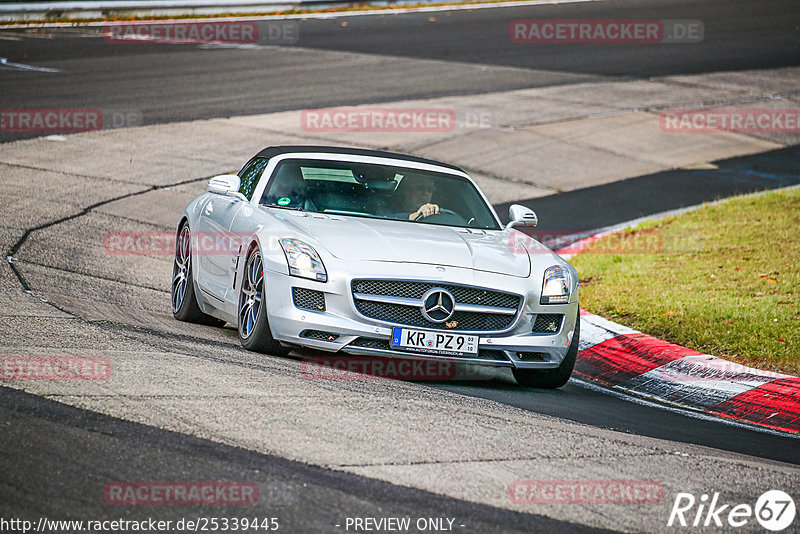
x,y
774,510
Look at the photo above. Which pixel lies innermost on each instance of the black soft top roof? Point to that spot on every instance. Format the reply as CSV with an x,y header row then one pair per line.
x,y
273,151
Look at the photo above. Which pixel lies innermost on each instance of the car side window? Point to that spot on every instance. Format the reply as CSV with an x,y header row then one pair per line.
x,y
250,175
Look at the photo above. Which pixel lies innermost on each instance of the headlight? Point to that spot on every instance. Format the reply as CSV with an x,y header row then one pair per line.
x,y
303,260
556,285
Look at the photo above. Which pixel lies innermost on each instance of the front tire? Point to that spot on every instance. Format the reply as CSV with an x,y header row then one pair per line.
x,y
253,327
553,378
184,301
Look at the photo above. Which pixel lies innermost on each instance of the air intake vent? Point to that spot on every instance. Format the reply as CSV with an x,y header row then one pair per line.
x,y
308,299
320,335
533,356
547,323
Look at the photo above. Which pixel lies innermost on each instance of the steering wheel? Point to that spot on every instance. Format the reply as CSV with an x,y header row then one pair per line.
x,y
442,212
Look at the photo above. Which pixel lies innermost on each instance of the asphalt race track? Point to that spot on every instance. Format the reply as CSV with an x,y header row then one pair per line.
x,y
55,457
460,52
85,437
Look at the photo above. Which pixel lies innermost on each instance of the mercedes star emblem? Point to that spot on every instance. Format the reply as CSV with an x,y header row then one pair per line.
x,y
438,305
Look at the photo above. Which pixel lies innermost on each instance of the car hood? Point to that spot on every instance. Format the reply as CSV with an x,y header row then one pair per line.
x,y
363,239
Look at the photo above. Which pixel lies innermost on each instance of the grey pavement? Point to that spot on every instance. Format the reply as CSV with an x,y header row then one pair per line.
x,y
197,380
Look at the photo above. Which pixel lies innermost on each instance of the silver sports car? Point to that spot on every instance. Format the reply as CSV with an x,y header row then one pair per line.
x,y
373,253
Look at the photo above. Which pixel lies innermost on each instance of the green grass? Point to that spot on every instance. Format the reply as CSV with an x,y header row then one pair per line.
x,y
722,279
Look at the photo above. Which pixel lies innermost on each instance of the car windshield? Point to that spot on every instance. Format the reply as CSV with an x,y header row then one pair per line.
x,y
378,191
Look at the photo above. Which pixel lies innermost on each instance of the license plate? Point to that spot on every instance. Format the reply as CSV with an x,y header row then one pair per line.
x,y
442,343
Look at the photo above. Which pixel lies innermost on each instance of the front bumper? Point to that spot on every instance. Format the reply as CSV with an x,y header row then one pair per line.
x,y
516,347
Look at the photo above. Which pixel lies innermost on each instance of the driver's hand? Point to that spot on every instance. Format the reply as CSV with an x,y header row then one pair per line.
x,y
426,210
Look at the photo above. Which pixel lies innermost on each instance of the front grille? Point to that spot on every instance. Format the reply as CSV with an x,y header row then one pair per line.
x,y
415,290
318,334
383,344
412,315
547,323
308,299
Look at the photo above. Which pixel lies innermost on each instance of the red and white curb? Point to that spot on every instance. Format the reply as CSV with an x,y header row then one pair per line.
x,y
617,357
627,361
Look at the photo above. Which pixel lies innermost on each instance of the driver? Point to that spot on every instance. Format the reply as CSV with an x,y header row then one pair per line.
x,y
415,193
288,190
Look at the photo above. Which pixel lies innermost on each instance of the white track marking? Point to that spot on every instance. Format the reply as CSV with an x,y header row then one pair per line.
x,y
21,66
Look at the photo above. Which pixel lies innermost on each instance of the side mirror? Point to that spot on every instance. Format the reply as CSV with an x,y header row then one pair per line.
x,y
521,216
226,184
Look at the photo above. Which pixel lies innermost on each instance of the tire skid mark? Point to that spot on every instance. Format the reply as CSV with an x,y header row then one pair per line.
x,y
12,252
